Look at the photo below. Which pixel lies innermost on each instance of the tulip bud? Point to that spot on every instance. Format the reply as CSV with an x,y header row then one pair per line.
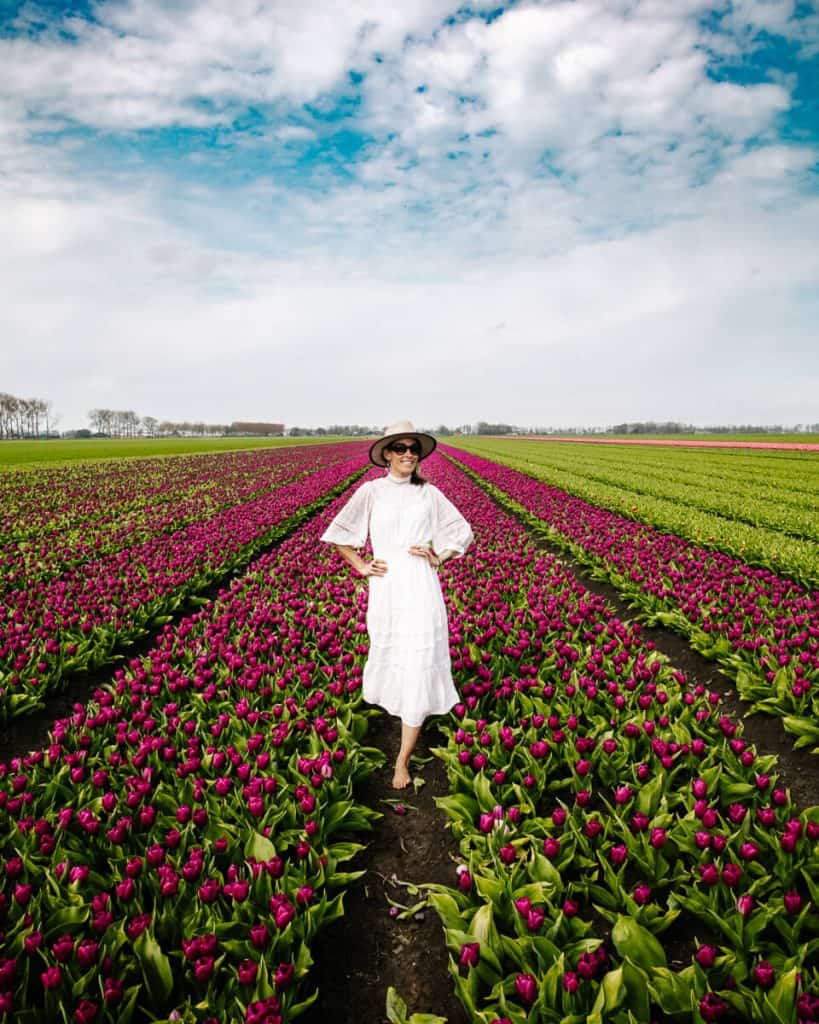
x,y
470,954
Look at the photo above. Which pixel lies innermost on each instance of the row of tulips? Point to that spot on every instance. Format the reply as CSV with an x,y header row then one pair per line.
x,y
626,854
759,507
80,618
173,851
762,629
71,495
64,521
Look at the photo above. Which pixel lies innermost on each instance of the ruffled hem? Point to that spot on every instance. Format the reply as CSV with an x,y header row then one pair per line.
x,y
410,699
398,713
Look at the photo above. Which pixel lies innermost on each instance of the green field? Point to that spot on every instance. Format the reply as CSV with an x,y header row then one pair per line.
x,y
739,438
25,453
758,505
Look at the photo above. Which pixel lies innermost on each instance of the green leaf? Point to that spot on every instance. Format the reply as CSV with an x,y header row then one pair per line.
x,y
447,909
155,967
396,1007
609,997
542,870
781,1000
637,943
63,918
299,1008
125,1011
344,851
637,1002
672,991
460,807
480,927
259,847
648,797
490,889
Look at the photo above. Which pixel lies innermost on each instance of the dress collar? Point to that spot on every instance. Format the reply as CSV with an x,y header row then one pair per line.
x,y
398,479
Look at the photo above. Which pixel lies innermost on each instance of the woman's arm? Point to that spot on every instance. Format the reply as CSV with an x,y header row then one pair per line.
x,y
377,567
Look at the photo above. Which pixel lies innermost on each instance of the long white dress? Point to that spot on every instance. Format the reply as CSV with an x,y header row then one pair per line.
x,y
408,671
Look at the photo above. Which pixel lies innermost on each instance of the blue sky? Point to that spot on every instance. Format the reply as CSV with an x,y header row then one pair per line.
x,y
546,213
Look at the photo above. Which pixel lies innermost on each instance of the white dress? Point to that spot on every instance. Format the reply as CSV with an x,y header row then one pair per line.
x,y
408,671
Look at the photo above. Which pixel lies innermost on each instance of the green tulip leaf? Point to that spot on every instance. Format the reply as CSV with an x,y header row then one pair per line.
x,y
637,943
156,967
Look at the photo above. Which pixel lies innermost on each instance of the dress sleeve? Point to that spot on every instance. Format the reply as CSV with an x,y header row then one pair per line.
x,y
450,531
352,524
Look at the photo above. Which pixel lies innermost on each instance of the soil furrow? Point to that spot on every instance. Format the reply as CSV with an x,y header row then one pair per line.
x,y
364,953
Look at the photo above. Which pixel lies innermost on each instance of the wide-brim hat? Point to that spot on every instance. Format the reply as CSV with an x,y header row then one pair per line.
x,y
403,428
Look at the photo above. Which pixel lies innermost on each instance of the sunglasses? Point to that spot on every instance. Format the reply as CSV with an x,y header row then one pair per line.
x,y
400,448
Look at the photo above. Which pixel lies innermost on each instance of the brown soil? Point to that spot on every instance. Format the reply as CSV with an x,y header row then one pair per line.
x,y
364,953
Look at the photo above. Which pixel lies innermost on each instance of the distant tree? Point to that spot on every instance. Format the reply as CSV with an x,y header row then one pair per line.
x,y
494,428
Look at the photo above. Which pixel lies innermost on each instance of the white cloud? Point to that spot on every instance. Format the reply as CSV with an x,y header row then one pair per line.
x,y
118,308
628,219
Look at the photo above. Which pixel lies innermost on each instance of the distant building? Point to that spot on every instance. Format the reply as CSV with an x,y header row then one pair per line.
x,y
257,429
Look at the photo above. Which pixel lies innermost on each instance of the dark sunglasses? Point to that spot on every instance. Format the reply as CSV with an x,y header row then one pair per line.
x,y
400,448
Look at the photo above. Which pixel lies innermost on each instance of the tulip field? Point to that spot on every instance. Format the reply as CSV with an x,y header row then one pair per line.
x,y
88,564
620,852
758,506
761,626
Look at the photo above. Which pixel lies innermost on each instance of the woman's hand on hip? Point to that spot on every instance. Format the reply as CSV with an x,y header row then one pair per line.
x,y
377,567
425,552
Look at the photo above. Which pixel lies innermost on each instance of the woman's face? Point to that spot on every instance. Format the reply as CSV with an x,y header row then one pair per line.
x,y
402,463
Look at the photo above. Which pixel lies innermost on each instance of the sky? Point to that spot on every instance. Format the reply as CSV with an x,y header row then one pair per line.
x,y
539,213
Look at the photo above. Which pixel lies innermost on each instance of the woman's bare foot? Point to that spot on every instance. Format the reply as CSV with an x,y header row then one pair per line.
x,y
409,737
401,777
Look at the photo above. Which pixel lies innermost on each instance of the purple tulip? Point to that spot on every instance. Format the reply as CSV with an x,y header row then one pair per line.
x,y
764,974
52,978
705,956
470,954
526,988
551,847
792,901
711,1007
618,854
284,976
246,972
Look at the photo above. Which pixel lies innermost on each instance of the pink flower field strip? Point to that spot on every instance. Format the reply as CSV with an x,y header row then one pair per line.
x,y
603,806
59,520
77,620
795,446
175,847
763,629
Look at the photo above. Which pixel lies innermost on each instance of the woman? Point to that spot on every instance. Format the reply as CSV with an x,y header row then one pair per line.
x,y
413,529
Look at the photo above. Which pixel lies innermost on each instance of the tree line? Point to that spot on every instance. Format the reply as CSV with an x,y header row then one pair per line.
x,y
126,423
25,417
34,417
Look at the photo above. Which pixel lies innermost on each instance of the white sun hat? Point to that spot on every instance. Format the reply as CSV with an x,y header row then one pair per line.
x,y
403,428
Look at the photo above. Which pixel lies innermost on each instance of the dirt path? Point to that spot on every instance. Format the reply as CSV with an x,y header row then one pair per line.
x,y
361,955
